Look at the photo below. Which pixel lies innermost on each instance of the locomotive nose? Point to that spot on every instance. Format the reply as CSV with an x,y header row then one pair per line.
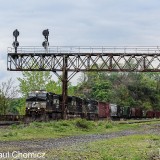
x,y
35,105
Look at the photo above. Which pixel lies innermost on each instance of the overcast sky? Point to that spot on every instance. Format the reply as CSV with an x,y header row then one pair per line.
x,y
73,22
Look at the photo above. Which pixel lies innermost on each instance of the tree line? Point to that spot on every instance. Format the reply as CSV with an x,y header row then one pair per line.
x,y
123,88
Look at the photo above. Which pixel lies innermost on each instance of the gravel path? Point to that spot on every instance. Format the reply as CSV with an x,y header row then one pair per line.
x,y
37,145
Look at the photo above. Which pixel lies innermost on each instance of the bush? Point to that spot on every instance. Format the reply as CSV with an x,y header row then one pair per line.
x,y
109,125
84,124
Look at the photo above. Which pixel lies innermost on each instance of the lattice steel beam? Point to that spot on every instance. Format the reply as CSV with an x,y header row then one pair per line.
x,y
75,59
124,59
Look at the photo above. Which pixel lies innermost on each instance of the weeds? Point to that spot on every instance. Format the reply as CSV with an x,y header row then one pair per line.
x,y
84,124
55,129
10,134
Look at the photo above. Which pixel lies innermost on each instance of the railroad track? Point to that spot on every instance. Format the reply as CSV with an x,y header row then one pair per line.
x,y
6,120
7,123
139,121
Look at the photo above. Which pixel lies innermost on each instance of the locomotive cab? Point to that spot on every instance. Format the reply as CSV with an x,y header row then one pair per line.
x,y
36,102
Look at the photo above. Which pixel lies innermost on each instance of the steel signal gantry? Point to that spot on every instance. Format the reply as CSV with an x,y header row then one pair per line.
x,y
124,59
85,59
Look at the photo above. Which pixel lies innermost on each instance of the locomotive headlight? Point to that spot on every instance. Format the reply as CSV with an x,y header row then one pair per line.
x,y
38,108
28,108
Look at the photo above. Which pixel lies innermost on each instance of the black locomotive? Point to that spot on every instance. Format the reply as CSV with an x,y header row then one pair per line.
x,y
42,105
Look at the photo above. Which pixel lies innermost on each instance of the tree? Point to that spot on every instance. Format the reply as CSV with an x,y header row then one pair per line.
x,y
123,88
8,91
37,80
41,80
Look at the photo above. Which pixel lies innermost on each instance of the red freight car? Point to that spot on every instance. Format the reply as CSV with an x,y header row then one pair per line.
x,y
103,110
133,112
150,114
138,113
157,114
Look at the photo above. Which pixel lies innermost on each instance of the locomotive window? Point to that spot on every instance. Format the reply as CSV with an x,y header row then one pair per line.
x,y
32,95
42,95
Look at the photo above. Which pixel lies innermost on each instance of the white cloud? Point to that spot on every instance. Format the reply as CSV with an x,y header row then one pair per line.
x,y
85,22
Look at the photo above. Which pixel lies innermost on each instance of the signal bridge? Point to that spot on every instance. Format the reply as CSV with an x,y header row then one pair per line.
x,y
124,59
74,59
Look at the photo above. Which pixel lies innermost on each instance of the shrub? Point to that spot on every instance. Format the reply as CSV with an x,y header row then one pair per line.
x,y
109,125
83,124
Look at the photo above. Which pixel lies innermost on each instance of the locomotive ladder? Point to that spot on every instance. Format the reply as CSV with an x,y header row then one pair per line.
x,y
73,59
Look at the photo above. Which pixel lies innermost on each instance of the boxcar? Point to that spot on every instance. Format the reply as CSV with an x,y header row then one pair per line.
x,y
133,113
103,110
150,114
157,114
138,113
113,110
120,110
126,112
144,113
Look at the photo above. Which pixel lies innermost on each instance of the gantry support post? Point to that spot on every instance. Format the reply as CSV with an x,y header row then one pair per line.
x,y
64,87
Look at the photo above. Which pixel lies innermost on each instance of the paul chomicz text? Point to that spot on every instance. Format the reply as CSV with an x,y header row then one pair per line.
x,y
20,155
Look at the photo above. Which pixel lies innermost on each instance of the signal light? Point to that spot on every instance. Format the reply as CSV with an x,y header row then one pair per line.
x,y
45,33
15,33
45,44
15,43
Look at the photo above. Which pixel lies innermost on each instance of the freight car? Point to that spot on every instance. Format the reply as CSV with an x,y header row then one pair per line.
x,y
103,110
42,105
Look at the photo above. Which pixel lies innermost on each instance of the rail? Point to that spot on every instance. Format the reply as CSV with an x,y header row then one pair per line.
x,y
87,50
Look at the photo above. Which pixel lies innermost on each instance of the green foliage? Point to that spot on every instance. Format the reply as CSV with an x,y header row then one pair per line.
x,y
38,80
41,80
127,89
17,106
55,129
102,91
109,125
8,91
83,124
10,134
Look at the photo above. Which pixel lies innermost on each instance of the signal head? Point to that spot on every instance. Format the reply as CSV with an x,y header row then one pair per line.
x,y
45,33
16,33
15,44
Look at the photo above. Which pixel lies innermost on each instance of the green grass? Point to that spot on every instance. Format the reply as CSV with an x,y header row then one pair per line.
x,y
55,129
135,147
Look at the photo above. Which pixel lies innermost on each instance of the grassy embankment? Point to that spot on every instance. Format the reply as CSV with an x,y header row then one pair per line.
x,y
55,129
135,147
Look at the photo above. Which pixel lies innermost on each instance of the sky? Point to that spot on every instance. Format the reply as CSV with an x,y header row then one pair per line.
x,y
77,23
